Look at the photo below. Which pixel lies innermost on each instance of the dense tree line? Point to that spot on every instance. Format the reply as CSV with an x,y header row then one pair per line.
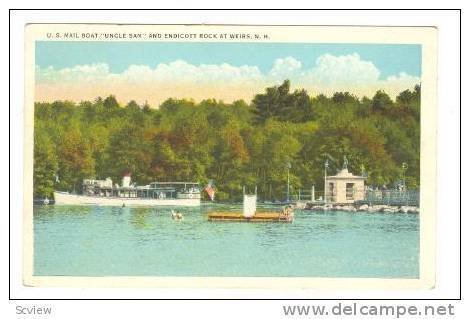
x,y
233,144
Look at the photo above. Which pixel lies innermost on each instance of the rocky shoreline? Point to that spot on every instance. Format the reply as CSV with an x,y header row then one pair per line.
x,y
359,208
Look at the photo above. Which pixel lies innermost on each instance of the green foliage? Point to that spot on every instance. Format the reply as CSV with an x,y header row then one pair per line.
x,y
110,102
75,159
278,103
234,144
45,164
381,101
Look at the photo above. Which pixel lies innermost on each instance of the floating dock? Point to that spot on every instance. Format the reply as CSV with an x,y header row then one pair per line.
x,y
249,213
257,217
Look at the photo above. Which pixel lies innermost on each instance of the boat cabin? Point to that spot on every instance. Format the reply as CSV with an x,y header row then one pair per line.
x,y
156,190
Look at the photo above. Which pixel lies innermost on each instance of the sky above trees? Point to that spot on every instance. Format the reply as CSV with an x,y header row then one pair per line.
x,y
154,72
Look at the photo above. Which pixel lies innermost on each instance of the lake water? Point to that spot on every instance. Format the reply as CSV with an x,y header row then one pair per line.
x,y
114,241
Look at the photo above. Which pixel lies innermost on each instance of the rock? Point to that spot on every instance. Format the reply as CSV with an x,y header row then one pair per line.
x,y
414,210
409,209
350,208
300,205
364,208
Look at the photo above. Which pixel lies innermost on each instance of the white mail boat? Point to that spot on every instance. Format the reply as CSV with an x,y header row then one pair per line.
x,y
103,192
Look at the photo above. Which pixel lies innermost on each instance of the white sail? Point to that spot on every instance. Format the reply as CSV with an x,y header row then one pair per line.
x,y
249,205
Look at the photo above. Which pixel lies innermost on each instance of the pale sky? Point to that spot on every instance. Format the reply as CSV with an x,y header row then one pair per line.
x,y
153,72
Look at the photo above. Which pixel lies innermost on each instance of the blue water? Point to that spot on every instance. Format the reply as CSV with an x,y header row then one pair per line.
x,y
105,241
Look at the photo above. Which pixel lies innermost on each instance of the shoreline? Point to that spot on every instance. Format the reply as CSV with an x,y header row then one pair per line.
x,y
309,206
359,208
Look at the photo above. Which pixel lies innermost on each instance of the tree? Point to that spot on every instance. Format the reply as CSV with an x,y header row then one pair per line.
x,y
234,144
278,103
110,102
381,101
405,97
76,160
298,109
129,150
342,98
45,164
229,156
132,105
265,105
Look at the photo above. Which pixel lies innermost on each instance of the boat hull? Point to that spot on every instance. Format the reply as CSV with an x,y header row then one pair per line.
x,y
62,198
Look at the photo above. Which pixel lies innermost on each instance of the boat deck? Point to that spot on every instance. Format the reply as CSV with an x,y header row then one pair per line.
x,y
258,217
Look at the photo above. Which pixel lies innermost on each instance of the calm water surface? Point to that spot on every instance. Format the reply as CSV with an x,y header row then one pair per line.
x,y
113,241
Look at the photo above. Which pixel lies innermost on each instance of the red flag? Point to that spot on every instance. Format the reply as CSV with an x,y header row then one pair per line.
x,y
210,191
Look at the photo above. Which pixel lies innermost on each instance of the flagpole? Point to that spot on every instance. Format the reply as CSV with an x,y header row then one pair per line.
x,y
326,167
288,166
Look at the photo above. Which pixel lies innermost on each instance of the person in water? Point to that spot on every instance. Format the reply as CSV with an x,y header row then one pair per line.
x,y
176,215
286,210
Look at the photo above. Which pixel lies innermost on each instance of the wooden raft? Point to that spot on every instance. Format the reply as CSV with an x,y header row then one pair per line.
x,y
258,217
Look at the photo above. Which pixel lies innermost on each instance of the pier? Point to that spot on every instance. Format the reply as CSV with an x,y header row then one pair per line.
x,y
249,213
257,217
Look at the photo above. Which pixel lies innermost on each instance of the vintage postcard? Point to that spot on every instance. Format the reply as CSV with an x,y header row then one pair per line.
x,y
230,156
